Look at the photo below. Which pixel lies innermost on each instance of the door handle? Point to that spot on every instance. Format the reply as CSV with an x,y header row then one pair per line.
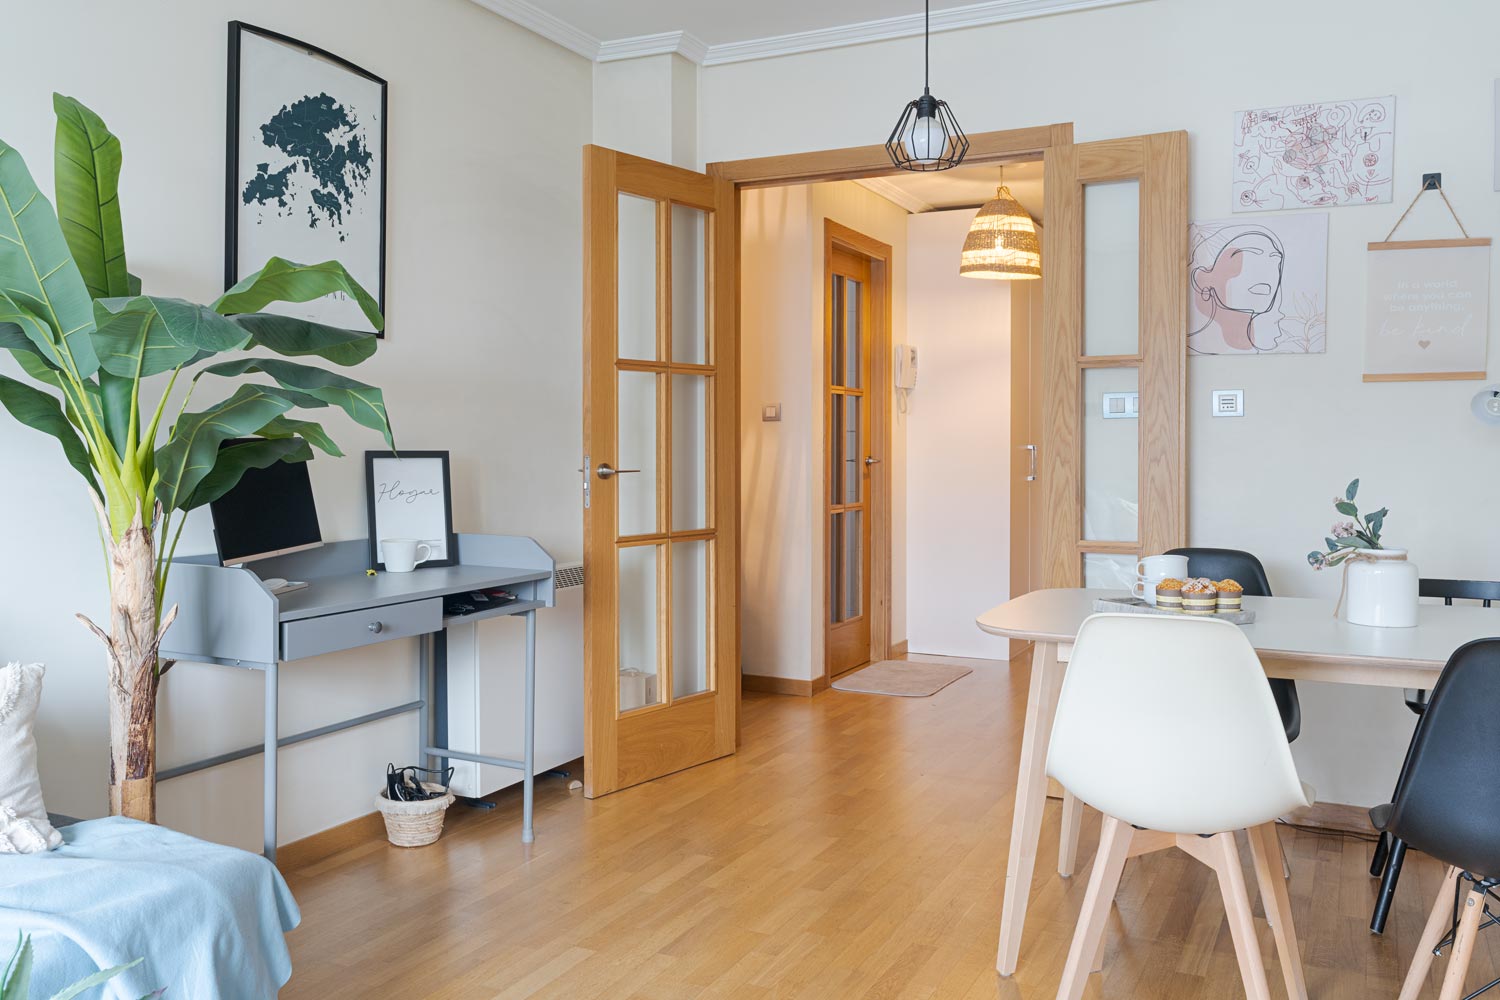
x,y
1031,469
871,460
607,471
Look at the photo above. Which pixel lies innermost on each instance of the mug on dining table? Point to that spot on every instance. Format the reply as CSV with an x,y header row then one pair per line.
x,y
402,555
1152,570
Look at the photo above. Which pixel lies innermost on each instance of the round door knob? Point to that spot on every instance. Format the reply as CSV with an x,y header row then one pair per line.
x,y
377,627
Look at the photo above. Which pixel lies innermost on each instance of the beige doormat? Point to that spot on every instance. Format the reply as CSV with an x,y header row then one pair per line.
x,y
902,678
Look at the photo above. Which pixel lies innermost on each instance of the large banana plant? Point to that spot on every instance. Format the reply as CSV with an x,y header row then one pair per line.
x,y
81,330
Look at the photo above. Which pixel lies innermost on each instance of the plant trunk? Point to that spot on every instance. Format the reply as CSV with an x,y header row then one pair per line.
x,y
132,643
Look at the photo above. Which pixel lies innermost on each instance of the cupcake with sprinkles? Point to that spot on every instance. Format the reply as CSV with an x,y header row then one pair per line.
x,y
1200,596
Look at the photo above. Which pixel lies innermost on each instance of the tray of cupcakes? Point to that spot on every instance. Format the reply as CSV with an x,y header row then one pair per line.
x,y
1199,597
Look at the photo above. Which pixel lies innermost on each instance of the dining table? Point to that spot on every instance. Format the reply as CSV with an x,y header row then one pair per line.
x,y
1295,637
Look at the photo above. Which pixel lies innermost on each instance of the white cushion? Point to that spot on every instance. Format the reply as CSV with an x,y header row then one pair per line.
x,y
23,817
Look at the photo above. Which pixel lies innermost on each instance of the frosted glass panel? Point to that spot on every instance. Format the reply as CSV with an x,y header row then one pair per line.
x,y
1111,454
1108,572
637,430
1111,268
689,285
689,452
640,652
846,451
689,618
848,344
636,278
846,566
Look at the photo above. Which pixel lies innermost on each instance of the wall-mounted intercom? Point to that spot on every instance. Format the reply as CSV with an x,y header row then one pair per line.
x,y
906,366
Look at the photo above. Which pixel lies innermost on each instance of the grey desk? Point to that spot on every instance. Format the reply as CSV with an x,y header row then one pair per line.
x,y
227,616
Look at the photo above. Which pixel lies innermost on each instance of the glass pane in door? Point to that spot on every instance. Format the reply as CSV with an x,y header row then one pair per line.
x,y
637,404
1111,453
846,449
1107,571
1112,268
690,618
845,565
689,285
848,345
640,646
635,278
689,452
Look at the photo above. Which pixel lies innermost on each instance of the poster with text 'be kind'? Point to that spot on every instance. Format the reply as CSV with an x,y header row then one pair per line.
x,y
1427,310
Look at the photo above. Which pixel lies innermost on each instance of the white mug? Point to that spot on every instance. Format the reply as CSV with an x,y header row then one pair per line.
x,y
400,554
1152,570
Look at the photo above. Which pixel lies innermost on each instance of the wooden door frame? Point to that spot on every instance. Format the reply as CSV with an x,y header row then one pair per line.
x,y
877,397
849,163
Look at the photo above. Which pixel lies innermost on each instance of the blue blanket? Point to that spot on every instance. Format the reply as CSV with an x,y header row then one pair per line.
x,y
208,920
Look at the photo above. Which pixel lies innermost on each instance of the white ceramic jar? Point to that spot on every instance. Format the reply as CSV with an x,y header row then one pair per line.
x,y
1382,589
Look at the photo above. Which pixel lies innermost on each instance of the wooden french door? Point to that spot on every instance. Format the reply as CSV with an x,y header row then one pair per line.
x,y
1114,356
661,669
847,308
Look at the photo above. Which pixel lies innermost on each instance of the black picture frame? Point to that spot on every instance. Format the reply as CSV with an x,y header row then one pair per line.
x,y
233,182
372,524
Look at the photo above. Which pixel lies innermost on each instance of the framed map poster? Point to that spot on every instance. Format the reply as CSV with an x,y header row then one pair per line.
x,y
1427,310
306,167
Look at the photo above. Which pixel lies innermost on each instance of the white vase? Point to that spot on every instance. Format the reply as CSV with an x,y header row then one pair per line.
x,y
1382,589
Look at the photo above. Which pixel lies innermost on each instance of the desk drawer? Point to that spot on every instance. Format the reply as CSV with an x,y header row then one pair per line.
x,y
352,629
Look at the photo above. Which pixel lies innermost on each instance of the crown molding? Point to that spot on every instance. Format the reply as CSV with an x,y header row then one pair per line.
x,y
895,194
905,26
695,49
680,43
547,25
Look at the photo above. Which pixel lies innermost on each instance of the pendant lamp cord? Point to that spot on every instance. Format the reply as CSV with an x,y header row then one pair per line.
x,y
926,46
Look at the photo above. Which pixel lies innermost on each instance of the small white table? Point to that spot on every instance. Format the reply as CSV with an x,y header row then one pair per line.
x,y
1297,638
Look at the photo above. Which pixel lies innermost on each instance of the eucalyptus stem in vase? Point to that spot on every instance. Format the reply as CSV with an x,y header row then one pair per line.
x,y
1348,537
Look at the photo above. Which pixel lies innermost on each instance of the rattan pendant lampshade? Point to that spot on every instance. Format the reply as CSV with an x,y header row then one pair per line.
x,y
1002,242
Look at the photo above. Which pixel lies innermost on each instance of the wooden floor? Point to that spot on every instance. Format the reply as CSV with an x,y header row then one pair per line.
x,y
853,848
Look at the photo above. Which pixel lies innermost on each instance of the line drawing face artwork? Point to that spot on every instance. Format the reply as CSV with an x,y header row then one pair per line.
x,y
1259,288
1314,155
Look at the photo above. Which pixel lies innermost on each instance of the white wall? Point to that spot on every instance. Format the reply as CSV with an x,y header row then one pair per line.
x,y
782,463
1261,482
957,442
483,356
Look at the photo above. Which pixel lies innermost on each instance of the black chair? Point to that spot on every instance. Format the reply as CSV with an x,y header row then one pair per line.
x,y
1445,806
1246,570
1390,852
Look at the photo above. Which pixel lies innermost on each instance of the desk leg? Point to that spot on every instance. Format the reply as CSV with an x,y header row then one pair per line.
x,y
424,695
528,779
270,750
1031,799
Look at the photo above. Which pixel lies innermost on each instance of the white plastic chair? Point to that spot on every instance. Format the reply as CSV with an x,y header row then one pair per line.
x,y
1167,727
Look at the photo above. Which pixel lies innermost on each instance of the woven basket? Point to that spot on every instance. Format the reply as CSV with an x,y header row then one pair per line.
x,y
414,824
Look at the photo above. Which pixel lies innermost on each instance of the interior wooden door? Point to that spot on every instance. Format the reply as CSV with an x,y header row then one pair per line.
x,y
1026,527
847,346
661,505
1114,356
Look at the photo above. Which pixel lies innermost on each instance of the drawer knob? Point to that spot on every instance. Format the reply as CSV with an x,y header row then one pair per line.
x,y
377,627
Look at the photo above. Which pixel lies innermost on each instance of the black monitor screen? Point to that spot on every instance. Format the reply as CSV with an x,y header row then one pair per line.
x,y
268,512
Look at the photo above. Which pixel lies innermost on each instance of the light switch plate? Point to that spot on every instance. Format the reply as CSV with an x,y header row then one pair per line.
x,y
1229,402
1121,406
770,412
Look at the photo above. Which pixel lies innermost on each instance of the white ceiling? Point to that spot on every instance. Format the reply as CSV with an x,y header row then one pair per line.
x,y
961,187
710,32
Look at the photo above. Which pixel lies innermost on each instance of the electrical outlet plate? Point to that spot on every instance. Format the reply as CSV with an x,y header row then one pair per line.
x,y
1229,402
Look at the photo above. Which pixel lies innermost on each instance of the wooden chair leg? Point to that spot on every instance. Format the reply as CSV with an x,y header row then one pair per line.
x,y
1437,926
1463,947
1226,864
1067,844
1114,846
1265,849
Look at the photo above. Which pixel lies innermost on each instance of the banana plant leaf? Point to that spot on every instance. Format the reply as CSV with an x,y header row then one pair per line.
x,y
294,338
190,455
309,430
146,335
86,171
230,464
285,281
365,404
39,267
40,411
